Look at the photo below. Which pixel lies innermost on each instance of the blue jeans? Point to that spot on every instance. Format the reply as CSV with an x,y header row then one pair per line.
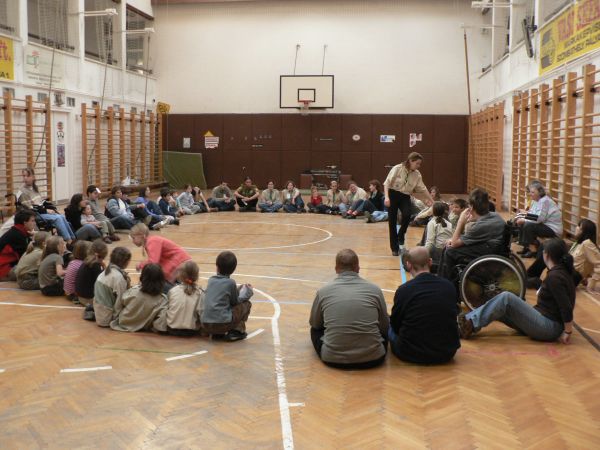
x,y
343,208
88,232
515,313
61,224
294,207
122,222
276,206
379,216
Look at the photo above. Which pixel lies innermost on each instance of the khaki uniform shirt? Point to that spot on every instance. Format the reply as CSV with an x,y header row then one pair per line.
x,y
405,181
360,194
270,195
335,198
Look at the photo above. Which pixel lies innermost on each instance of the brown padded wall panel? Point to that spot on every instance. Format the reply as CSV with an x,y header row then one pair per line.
x,y
448,173
237,164
427,170
359,125
293,163
266,132
295,132
450,134
381,159
326,133
387,124
178,126
357,164
320,160
237,132
212,160
419,124
204,123
266,166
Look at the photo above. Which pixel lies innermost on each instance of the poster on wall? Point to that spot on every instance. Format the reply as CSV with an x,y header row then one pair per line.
x,y
60,145
39,67
7,60
413,138
210,140
387,138
570,35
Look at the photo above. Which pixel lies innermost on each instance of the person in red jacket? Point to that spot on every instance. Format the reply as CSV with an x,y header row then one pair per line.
x,y
315,199
159,250
13,243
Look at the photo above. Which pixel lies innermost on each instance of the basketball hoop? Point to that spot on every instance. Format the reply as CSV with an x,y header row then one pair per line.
x,y
304,107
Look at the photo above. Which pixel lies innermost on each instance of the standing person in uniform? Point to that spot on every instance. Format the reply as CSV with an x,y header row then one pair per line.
x,y
403,180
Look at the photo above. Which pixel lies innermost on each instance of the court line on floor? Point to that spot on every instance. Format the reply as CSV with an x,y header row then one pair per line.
x,y
189,355
284,405
590,330
2,370
254,333
86,369
329,236
31,305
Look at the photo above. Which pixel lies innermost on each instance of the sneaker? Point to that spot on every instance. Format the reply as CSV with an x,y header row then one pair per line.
x,y
107,240
534,283
157,226
114,238
395,253
465,326
176,222
235,335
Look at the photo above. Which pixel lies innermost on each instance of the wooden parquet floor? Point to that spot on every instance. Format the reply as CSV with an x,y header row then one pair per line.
x,y
502,391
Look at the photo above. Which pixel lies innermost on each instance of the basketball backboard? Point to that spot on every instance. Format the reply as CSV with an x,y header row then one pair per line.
x,y
295,90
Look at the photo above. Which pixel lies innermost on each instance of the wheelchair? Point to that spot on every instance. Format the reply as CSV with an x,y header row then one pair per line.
x,y
487,276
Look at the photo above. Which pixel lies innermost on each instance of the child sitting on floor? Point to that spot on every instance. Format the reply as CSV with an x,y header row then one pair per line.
x,y
80,252
27,268
439,231
226,307
88,218
138,307
315,199
51,271
87,274
181,318
110,285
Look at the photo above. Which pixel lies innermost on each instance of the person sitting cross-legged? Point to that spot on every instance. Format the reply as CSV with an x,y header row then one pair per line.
x,y
550,319
270,199
348,319
222,198
246,196
423,322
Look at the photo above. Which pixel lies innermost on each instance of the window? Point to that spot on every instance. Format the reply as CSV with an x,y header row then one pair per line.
x,y
8,17
523,11
70,102
9,91
100,33
137,44
549,8
42,96
59,98
49,23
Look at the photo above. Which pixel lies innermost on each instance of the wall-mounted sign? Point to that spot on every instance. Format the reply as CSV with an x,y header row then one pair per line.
x,y
7,60
187,142
210,140
356,137
387,138
163,108
60,145
572,34
413,138
39,67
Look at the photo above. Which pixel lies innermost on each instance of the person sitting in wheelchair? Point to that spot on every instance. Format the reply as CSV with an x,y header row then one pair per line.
x,y
484,236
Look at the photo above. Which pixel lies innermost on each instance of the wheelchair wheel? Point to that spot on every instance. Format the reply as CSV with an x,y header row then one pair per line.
x,y
488,276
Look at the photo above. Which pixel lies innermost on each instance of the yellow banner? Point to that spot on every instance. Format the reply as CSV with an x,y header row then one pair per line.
x,y
572,34
7,60
163,108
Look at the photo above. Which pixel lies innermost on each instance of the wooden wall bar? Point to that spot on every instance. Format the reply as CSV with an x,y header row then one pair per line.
x,y
133,151
485,169
557,144
282,146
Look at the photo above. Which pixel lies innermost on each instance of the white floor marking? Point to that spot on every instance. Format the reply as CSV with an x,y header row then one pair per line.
x,y
30,305
175,358
590,330
295,405
86,369
591,297
284,406
2,370
329,236
259,317
254,333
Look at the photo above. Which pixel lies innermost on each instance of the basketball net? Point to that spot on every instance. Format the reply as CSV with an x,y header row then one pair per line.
x,y
304,109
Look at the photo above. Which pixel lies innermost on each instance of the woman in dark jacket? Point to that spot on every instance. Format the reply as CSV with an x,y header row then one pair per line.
x,y
371,204
86,232
552,316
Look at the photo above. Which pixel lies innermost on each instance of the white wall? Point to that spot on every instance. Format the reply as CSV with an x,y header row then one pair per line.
x,y
387,56
143,5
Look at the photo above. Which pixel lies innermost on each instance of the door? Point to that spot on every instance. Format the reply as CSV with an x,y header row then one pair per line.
x,y
62,161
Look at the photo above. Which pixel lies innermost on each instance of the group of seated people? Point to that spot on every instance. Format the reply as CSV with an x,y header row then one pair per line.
x,y
350,327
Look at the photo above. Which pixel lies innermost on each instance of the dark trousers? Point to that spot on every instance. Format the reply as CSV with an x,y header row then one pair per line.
x,y
531,231
221,205
250,205
54,290
324,209
398,201
451,257
316,338
538,267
